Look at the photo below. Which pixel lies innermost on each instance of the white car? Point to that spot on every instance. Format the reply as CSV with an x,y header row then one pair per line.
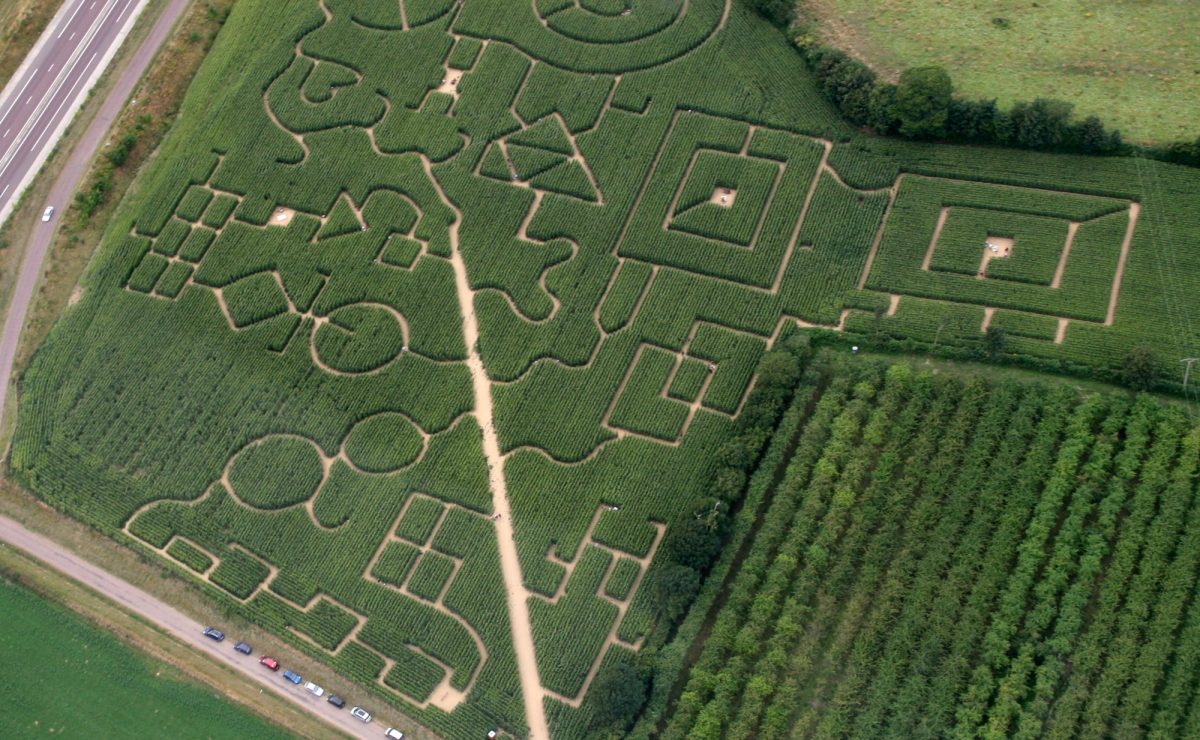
x,y
313,689
394,734
46,214
360,713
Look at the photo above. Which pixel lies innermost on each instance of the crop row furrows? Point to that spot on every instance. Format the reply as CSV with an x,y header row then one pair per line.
x,y
445,697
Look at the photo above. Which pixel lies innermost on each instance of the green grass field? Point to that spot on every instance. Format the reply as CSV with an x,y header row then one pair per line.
x,y
373,344
21,22
1134,64
62,676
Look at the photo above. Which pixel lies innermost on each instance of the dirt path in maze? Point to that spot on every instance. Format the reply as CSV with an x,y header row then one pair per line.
x,y
510,566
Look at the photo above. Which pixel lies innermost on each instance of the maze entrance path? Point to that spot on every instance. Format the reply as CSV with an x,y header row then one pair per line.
x,y
510,564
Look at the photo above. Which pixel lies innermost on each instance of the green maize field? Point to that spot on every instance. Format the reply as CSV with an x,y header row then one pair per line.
x,y
428,309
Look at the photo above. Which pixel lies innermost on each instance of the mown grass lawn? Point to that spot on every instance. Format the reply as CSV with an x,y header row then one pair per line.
x,y
62,676
1134,63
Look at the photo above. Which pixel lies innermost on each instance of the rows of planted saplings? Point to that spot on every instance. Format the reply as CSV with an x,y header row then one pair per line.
x,y
950,556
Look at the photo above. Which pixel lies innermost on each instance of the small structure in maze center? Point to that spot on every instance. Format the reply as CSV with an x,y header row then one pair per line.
x,y
282,216
449,83
994,247
723,196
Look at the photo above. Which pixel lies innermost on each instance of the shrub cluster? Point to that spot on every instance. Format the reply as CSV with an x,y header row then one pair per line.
x,y
1180,152
88,200
695,539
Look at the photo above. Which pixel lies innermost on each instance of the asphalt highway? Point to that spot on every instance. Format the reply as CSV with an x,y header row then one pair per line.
x,y
182,627
42,97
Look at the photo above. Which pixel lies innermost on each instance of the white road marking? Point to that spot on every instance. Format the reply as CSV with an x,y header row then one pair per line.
x,y
20,92
71,37
6,133
70,97
31,76
5,190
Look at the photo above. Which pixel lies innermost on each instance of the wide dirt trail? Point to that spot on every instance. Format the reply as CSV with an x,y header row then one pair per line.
x,y
510,566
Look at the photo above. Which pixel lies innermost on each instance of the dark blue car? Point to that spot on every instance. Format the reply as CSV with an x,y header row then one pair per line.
x,y
243,648
214,633
293,677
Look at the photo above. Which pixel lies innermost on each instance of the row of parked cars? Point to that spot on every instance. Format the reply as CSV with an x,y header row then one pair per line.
x,y
270,663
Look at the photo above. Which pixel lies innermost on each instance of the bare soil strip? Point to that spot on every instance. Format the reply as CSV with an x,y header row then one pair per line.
x,y
1066,253
988,313
510,565
1134,210
887,212
996,247
937,233
1061,333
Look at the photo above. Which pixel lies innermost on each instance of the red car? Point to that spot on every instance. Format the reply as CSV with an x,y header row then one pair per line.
x,y
269,662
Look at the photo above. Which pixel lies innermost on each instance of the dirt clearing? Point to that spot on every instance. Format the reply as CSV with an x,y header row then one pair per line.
x,y
994,247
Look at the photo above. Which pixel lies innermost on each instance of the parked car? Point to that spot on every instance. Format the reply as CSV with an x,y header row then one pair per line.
x,y
337,701
292,676
48,213
214,633
243,648
361,713
394,734
313,689
269,662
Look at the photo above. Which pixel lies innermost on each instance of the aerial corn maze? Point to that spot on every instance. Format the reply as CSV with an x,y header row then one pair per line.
x,y
420,329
